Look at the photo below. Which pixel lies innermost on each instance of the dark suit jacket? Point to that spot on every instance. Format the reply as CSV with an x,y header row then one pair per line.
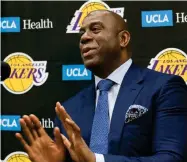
x,y
160,135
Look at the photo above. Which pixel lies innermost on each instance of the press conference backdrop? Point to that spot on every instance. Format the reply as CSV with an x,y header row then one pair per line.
x,y
40,43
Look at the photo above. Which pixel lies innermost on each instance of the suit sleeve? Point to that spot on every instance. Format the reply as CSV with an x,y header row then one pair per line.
x,y
170,128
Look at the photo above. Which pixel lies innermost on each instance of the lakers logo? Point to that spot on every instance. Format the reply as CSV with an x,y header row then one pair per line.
x,y
170,61
17,157
85,9
24,73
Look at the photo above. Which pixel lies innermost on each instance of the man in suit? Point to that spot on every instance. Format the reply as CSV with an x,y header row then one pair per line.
x,y
130,114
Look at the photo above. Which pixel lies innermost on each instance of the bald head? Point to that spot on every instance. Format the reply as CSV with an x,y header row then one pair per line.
x,y
116,19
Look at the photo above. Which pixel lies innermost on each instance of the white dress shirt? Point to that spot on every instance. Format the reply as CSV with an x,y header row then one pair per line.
x,y
116,76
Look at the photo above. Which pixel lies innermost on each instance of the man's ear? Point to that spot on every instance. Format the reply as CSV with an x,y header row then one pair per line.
x,y
124,38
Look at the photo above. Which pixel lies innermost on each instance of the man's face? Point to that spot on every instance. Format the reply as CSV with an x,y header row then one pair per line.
x,y
99,43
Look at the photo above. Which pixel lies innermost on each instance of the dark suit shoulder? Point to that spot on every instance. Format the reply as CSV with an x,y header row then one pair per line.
x,y
76,100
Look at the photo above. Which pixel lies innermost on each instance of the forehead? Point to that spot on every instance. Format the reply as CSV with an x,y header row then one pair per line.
x,y
97,17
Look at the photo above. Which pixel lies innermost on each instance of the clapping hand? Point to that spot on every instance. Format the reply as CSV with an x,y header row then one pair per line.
x,y
40,147
75,144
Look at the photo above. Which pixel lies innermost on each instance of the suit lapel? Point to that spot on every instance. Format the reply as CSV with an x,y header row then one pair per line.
x,y
130,88
87,113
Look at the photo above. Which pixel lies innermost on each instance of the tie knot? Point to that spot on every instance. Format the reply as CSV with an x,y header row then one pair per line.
x,y
105,85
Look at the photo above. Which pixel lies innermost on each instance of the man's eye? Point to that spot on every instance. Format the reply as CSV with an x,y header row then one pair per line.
x,y
95,29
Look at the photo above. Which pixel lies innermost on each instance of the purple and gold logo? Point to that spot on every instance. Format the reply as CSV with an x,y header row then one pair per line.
x,y
17,156
85,9
24,73
170,61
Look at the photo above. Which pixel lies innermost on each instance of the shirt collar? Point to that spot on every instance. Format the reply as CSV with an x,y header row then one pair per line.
x,y
118,74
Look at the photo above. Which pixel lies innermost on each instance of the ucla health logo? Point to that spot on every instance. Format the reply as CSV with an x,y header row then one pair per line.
x,y
10,24
157,18
75,72
10,123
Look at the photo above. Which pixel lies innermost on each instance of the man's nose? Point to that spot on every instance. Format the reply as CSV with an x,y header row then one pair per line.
x,y
85,38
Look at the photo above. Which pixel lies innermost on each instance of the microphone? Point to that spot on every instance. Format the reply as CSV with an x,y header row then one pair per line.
x,y
5,70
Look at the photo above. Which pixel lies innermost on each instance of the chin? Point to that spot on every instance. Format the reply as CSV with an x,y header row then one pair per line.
x,y
89,64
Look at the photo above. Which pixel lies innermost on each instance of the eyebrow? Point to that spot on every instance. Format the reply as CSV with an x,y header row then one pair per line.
x,y
91,24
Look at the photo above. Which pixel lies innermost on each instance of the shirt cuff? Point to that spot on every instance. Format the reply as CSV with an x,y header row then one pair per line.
x,y
99,158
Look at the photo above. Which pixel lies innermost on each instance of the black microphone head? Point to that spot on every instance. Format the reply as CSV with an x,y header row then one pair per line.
x,y
5,70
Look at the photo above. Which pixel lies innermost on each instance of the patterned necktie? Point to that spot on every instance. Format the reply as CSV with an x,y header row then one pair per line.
x,y
100,127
